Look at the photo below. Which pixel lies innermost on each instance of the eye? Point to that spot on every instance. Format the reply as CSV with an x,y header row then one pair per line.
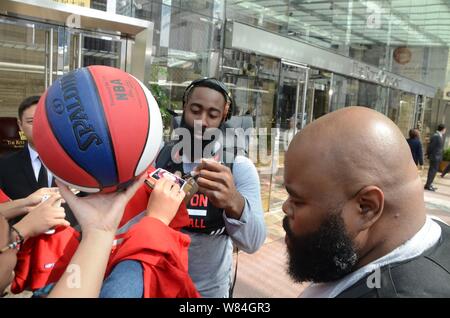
x,y
195,109
295,202
214,114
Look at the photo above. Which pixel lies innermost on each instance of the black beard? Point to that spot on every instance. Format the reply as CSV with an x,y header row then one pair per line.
x,y
323,256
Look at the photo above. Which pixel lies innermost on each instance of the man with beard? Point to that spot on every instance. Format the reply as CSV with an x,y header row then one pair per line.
x,y
356,223
228,207
226,210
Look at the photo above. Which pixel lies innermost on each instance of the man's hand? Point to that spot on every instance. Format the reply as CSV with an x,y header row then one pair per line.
x,y
99,212
216,182
165,200
45,216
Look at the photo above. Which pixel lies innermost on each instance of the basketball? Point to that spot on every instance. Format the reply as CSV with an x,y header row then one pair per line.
x,y
97,129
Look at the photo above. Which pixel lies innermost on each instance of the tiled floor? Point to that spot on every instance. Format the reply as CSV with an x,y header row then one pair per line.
x,y
263,274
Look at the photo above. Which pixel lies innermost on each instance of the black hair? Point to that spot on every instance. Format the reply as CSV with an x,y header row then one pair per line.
x,y
413,133
27,103
441,127
214,84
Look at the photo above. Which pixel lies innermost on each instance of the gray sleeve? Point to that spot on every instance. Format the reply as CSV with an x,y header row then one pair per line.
x,y
249,232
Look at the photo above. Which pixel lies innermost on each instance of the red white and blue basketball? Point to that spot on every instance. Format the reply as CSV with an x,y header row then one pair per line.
x,y
97,129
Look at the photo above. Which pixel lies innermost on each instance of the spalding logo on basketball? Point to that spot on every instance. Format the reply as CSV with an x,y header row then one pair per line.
x,y
97,129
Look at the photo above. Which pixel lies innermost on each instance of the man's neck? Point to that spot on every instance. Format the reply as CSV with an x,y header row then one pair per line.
x,y
391,242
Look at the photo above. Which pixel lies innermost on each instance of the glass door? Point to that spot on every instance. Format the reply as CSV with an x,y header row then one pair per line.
x,y
401,110
28,61
253,81
319,94
290,116
34,54
426,122
95,48
28,65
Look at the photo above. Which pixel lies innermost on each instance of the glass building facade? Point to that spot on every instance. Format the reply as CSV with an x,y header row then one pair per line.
x,y
286,62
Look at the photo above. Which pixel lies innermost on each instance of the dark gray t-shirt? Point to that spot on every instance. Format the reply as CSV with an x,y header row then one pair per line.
x,y
210,256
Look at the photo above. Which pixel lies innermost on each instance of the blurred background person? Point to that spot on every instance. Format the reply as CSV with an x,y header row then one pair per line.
x,y
416,147
434,154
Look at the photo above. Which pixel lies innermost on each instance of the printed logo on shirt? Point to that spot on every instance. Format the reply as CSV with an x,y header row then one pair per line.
x,y
204,217
49,265
199,200
197,223
198,206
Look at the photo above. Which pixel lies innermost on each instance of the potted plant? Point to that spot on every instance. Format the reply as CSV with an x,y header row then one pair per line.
x,y
445,160
163,101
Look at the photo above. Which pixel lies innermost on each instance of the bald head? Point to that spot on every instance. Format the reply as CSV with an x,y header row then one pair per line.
x,y
357,146
353,166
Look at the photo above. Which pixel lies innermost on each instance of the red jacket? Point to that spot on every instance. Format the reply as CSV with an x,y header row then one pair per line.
x,y
161,250
3,197
163,253
43,259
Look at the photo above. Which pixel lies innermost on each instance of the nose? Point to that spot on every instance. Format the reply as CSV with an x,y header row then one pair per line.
x,y
286,209
204,120
200,123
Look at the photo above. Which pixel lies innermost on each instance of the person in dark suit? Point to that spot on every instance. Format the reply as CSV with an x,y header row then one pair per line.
x,y
434,154
416,147
22,173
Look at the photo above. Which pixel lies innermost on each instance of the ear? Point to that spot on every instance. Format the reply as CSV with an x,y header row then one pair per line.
x,y
19,123
225,111
371,205
366,208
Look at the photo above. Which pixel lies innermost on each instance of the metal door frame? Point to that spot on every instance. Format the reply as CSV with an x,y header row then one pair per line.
x,y
74,41
138,33
51,66
301,69
304,68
